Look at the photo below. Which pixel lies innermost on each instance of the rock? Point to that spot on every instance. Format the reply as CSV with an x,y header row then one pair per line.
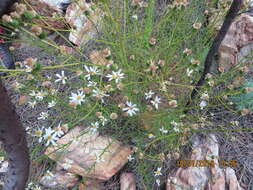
x,y
197,177
84,18
239,34
232,180
52,15
91,185
61,179
127,181
89,154
218,179
56,4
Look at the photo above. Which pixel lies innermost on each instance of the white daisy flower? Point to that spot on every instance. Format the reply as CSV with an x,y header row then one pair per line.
x,y
40,95
51,104
131,109
39,133
130,158
77,98
117,76
149,94
50,136
32,104
67,164
156,101
33,93
175,126
163,130
99,94
189,72
94,127
92,84
58,130
103,120
43,116
91,71
61,78
158,172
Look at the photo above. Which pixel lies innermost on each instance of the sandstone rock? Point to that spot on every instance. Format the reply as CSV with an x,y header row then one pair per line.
x,y
84,18
56,4
127,181
240,34
88,154
232,180
91,185
205,177
217,181
45,9
61,179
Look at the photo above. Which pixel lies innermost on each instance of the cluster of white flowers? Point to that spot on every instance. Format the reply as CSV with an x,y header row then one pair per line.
x,y
48,134
99,94
39,95
154,101
148,95
91,71
175,126
157,173
163,130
